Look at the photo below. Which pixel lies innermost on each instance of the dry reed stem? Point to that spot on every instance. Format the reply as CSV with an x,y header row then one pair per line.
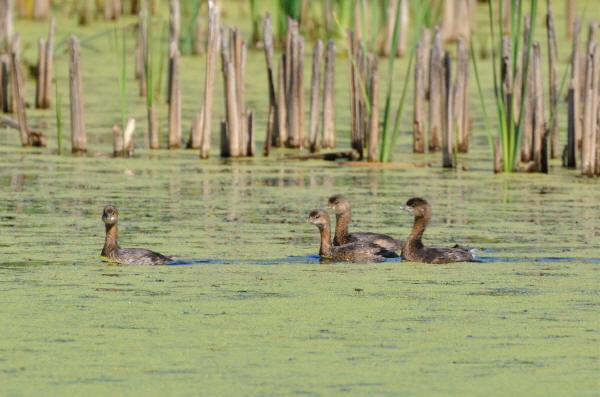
x,y
435,93
41,73
553,81
329,97
78,133
18,89
374,114
419,100
49,67
315,97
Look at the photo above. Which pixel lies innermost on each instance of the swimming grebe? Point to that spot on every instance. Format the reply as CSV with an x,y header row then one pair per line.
x,y
341,207
414,250
360,252
127,256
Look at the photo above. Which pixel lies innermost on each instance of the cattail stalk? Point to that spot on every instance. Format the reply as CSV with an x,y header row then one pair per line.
x,y
419,100
315,96
435,90
18,91
461,97
41,73
329,97
372,155
78,133
553,81
272,133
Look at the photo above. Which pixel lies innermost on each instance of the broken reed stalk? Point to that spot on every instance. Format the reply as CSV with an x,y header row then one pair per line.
x,y
231,103
576,80
117,141
571,148
435,87
239,61
456,19
527,135
4,83
328,140
299,90
402,29
78,134
315,97
201,131
272,134
49,67
41,73
58,111
282,135
18,89
570,19
40,9
591,106
175,97
112,9
294,92
419,99
386,46
238,132
353,93
461,97
174,32
128,138
251,145
6,24
372,155
448,122
539,118
553,81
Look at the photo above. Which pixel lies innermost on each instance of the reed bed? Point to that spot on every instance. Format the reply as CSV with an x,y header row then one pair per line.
x,y
436,37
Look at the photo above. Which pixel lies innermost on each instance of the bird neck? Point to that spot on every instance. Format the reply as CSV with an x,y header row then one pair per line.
x,y
341,226
325,249
110,241
416,234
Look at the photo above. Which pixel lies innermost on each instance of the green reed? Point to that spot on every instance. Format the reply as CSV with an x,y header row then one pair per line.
x,y
390,131
509,129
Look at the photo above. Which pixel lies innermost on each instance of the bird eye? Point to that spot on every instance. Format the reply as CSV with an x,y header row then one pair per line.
x,y
317,216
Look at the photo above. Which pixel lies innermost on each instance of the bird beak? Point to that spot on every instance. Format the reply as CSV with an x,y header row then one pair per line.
x,y
408,208
307,219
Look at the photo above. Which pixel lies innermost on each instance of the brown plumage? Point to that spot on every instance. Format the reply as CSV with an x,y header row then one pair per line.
x,y
360,252
341,207
414,250
127,256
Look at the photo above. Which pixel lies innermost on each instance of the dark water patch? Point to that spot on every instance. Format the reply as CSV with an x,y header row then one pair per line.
x,y
249,294
555,259
171,371
87,381
503,292
542,274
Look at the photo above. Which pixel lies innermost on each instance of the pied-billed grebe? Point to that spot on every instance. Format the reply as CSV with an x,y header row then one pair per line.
x,y
414,250
127,256
353,252
341,207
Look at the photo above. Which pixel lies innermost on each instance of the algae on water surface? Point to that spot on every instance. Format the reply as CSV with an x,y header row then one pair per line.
x,y
253,312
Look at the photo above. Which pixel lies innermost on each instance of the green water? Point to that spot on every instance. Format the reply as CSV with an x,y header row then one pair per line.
x,y
250,310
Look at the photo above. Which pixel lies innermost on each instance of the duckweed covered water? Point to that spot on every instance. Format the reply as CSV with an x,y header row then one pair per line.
x,y
248,309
